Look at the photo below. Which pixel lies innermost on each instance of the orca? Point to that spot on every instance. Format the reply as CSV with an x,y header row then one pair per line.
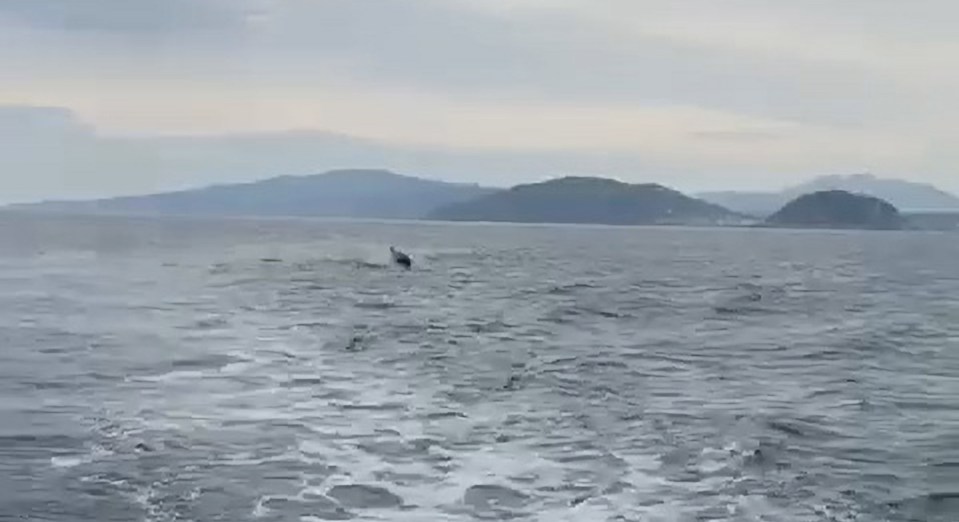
x,y
400,258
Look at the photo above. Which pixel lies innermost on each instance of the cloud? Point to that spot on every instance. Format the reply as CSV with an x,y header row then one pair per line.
x,y
20,123
561,54
128,17
47,152
50,153
698,88
455,48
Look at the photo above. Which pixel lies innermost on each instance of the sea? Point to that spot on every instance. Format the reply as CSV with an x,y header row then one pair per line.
x,y
201,369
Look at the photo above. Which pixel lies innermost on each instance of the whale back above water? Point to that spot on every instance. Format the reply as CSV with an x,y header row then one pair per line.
x,y
400,258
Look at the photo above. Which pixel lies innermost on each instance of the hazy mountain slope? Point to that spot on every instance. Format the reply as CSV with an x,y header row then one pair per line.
x,y
907,195
343,193
753,203
901,193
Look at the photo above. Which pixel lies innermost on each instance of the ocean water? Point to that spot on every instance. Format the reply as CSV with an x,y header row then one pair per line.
x,y
184,369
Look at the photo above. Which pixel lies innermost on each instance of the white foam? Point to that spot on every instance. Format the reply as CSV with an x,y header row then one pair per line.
x,y
68,462
72,461
170,377
260,510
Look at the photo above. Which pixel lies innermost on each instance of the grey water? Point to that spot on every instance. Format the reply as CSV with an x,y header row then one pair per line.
x,y
189,369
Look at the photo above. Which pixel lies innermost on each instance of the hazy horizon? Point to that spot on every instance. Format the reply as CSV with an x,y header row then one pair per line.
x,y
105,98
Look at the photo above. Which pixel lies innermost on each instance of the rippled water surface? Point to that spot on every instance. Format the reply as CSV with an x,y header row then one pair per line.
x,y
173,369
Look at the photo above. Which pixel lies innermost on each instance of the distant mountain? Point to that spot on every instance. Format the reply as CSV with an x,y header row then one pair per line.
x,y
58,155
903,194
751,203
907,195
340,193
838,209
588,200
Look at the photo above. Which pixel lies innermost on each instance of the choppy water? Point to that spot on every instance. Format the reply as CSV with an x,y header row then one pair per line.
x,y
281,370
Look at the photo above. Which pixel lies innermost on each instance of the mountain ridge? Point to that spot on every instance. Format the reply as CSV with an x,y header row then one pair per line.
x,y
376,193
588,200
357,193
906,195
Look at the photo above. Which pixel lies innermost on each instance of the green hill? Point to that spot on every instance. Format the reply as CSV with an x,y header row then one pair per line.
x,y
588,200
838,209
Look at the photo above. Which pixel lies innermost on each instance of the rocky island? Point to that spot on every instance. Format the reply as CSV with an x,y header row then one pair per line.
x,y
588,200
838,209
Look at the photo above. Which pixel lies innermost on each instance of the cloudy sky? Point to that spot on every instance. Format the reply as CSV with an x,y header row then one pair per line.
x,y
101,97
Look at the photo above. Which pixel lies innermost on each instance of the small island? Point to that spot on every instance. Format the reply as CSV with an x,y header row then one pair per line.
x,y
589,200
838,209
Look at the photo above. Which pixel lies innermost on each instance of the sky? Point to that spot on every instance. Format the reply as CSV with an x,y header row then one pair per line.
x,y
108,97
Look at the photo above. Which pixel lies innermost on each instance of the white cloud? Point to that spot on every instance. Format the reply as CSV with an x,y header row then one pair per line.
x,y
131,18
698,86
